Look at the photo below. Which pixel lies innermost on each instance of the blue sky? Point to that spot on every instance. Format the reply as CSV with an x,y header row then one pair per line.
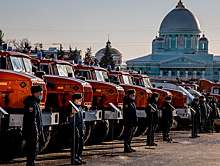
x,y
131,24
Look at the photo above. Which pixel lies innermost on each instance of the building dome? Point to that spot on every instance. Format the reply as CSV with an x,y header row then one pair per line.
x,y
180,19
112,50
203,38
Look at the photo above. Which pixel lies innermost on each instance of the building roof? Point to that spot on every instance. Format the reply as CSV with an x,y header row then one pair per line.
x,y
146,58
180,18
112,50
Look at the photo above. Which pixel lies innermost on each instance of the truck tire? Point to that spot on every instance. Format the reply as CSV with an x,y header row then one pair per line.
x,y
118,129
88,131
47,136
99,132
142,127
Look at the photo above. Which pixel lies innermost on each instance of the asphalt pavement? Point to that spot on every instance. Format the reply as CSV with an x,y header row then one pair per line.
x,y
183,151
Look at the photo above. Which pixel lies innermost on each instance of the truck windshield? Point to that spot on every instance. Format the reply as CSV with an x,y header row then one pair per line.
x,y
28,66
99,75
127,79
146,82
17,63
62,70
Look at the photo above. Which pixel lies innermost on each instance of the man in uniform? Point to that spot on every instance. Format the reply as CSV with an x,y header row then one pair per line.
x,y
195,106
32,124
204,113
79,127
152,118
129,119
167,117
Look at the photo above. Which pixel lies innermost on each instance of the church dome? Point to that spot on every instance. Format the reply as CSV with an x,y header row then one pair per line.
x,y
112,50
180,19
203,38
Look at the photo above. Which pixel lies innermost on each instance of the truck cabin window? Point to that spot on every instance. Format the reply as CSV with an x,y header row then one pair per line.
x,y
82,73
99,75
28,65
62,70
70,71
17,63
127,79
146,82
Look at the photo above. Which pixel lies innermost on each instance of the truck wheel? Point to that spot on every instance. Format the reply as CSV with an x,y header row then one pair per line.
x,y
11,144
47,136
100,131
88,131
176,124
142,127
118,129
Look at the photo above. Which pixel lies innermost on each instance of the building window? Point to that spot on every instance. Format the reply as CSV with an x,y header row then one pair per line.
x,y
198,73
181,41
160,45
203,46
165,73
215,73
173,73
132,68
166,42
140,68
181,73
190,73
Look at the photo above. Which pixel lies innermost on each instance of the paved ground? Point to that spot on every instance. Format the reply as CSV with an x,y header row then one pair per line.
x,y
183,151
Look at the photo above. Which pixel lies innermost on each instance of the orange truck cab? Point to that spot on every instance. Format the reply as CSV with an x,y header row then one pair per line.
x,y
143,80
62,84
124,79
16,79
104,93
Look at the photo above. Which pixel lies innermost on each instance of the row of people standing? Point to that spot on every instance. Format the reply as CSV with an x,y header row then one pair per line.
x,y
207,110
152,117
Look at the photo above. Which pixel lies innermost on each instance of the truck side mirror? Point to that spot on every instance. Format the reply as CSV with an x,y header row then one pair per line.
x,y
40,74
34,69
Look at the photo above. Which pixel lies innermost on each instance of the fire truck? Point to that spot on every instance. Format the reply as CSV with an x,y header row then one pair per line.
x,y
16,78
179,99
61,75
104,93
97,127
124,79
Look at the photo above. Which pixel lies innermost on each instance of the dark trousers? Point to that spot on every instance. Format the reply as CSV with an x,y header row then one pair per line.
x,y
79,143
128,135
150,133
166,129
32,151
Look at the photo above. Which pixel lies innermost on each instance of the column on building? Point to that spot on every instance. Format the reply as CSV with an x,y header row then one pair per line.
x,y
194,73
203,73
161,72
186,74
178,73
169,72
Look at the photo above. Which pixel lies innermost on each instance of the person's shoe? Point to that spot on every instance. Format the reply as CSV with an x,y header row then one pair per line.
x,y
153,144
83,162
197,136
132,150
77,162
167,139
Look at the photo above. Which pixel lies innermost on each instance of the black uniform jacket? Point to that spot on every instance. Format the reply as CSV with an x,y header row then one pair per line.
x,y
129,112
153,102
167,111
32,122
196,107
80,125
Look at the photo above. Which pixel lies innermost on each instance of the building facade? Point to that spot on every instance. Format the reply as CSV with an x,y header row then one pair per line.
x,y
180,50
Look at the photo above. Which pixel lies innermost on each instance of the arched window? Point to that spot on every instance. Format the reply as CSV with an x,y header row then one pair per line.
x,y
160,45
181,41
203,46
166,42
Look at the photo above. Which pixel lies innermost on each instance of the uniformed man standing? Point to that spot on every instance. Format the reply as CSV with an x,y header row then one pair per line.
x,y
167,117
204,113
79,127
152,118
32,124
195,106
129,119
